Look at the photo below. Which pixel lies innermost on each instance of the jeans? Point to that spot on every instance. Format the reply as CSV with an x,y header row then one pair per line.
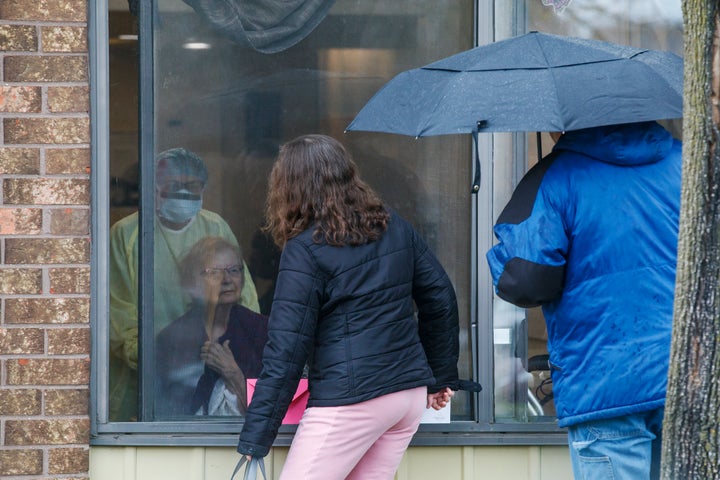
x,y
621,448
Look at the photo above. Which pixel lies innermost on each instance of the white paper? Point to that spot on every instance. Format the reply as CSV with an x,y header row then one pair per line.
x,y
436,416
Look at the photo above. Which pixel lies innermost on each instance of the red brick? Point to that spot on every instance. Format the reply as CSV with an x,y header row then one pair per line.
x,y
69,221
17,462
15,341
20,221
47,250
40,371
18,281
69,280
66,402
68,460
47,432
47,310
33,68
47,130
20,99
18,38
46,191
44,10
69,341
62,161
21,161
69,99
64,39
18,402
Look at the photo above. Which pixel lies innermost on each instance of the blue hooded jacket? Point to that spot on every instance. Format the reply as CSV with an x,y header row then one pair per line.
x,y
591,235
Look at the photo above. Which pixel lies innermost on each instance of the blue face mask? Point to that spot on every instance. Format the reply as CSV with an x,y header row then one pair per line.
x,y
179,207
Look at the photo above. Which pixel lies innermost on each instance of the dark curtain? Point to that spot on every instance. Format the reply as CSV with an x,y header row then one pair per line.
x,y
268,26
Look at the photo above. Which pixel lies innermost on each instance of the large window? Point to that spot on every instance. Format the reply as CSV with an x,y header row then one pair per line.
x,y
202,94
217,98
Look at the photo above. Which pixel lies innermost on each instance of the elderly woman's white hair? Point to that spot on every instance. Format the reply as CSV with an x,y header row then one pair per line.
x,y
199,255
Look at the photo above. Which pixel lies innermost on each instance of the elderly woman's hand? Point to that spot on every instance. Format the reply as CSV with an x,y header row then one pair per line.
x,y
220,358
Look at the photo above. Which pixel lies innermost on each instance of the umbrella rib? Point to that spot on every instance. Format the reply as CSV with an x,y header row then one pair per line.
x,y
609,60
552,74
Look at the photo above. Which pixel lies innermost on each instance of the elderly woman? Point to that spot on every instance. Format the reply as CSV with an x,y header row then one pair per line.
x,y
205,356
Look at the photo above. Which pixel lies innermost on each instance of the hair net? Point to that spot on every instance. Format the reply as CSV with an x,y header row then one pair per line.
x,y
179,161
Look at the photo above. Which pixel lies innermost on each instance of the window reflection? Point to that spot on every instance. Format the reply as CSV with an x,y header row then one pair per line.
x,y
180,222
234,105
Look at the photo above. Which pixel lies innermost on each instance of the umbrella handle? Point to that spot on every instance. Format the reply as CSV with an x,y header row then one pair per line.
x,y
476,180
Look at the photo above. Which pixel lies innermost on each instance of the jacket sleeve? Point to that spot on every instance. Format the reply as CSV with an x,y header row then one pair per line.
x,y
291,332
438,322
528,263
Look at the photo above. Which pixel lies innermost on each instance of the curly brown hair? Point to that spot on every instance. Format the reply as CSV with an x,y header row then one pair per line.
x,y
315,182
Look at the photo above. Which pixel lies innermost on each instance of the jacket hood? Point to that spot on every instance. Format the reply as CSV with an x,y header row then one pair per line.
x,y
626,144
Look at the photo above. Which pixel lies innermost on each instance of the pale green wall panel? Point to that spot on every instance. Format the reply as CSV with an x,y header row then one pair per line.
x,y
431,462
419,463
504,463
220,461
555,463
170,462
117,463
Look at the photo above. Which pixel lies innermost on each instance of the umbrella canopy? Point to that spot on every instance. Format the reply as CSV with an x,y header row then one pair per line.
x,y
533,82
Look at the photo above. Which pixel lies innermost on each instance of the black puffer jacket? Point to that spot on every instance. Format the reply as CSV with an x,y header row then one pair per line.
x,y
348,312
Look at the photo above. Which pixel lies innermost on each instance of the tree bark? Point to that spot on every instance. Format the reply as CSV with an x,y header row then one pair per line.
x,y
691,434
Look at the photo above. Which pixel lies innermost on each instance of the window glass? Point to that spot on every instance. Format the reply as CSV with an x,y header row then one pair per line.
x,y
231,83
523,387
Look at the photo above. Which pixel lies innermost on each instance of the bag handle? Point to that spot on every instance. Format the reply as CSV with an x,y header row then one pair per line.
x,y
251,468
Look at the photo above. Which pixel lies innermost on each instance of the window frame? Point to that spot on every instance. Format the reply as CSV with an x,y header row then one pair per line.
x,y
483,430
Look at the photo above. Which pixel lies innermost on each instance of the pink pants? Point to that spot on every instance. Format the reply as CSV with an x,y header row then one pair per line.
x,y
363,441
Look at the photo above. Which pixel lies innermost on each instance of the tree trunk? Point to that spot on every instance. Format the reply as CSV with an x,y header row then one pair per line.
x,y
691,434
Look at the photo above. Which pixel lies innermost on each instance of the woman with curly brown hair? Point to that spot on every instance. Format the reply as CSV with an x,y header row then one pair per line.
x,y
349,272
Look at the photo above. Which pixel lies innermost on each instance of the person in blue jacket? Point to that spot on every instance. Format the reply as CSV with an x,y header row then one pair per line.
x,y
350,270
590,234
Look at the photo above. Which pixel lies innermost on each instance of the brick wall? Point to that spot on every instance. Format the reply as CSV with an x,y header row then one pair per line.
x,y
44,239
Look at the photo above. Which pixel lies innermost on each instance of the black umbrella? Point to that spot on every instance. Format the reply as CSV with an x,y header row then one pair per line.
x,y
533,82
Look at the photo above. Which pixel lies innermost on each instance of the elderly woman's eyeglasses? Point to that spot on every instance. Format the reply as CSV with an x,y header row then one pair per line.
x,y
216,273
